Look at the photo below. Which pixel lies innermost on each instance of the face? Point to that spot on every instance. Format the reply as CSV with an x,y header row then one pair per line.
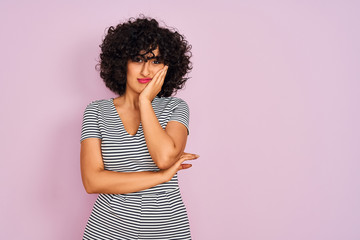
x,y
141,69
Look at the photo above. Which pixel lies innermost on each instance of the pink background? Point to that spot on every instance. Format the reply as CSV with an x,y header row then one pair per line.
x,y
274,115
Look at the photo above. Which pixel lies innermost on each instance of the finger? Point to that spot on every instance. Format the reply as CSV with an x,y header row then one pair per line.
x,y
184,166
161,77
184,153
156,77
164,70
184,159
161,71
158,74
165,73
190,155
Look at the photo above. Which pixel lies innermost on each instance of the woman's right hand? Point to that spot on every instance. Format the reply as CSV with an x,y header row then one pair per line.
x,y
178,165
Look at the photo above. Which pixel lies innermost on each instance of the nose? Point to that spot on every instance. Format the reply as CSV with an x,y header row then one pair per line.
x,y
145,71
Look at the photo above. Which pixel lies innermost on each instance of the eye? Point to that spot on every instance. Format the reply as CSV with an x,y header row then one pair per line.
x,y
157,62
136,59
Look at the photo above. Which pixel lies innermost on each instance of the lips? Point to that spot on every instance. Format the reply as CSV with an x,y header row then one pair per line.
x,y
144,80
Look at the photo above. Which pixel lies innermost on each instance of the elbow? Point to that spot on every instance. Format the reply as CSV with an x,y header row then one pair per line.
x,y
164,163
89,190
167,161
163,166
92,182
89,187
166,158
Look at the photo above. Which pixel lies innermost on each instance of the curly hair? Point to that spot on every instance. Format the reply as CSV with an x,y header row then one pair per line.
x,y
126,40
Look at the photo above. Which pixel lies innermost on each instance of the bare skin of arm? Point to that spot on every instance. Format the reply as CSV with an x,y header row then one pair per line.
x,y
165,146
97,180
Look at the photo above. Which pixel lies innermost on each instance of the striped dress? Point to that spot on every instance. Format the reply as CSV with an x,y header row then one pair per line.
x,y
154,213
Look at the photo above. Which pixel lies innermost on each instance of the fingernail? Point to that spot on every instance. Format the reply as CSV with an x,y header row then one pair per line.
x,y
197,155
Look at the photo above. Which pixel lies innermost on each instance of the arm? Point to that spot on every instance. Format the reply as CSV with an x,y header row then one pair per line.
x,y
97,180
165,146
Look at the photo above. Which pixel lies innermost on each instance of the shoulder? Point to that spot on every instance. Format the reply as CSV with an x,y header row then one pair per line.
x,y
97,106
178,100
170,101
98,103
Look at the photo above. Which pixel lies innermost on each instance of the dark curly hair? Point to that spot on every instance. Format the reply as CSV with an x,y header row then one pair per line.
x,y
126,40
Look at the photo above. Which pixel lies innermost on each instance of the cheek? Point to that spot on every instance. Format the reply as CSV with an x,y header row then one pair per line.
x,y
132,70
158,68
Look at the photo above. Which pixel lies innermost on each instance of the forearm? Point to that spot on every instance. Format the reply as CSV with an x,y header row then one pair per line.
x,y
111,182
160,144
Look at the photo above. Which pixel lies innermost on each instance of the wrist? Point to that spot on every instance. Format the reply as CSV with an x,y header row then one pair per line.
x,y
144,100
162,175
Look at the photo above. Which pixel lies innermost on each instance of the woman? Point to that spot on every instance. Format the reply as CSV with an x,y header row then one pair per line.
x,y
132,146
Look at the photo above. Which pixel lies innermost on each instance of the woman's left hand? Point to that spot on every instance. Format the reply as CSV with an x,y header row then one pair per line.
x,y
154,86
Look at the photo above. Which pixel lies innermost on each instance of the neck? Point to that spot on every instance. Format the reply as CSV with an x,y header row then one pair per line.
x,y
130,100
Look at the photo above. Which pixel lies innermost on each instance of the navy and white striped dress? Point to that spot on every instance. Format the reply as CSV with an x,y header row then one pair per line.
x,y
154,213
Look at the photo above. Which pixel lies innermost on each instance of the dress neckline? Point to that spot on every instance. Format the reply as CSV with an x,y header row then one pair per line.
x,y
121,122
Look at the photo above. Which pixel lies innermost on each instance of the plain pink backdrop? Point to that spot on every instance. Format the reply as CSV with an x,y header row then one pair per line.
x,y
274,115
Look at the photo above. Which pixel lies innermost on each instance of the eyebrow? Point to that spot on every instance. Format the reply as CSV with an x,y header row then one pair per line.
x,y
159,57
156,57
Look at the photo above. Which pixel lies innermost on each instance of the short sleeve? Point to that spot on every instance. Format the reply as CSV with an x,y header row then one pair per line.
x,y
181,113
90,124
